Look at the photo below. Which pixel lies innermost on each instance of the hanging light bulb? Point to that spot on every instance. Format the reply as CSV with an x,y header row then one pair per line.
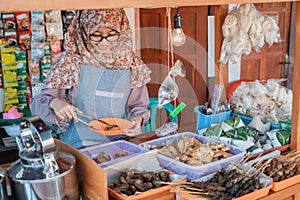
x,y
178,37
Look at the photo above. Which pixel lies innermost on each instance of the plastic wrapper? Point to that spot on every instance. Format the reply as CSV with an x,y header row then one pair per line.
x,y
38,33
269,101
37,51
54,31
139,162
37,17
169,90
53,16
23,21
245,28
216,97
169,128
9,22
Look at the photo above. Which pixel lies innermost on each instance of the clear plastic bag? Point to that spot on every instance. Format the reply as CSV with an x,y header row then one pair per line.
x,y
169,128
169,90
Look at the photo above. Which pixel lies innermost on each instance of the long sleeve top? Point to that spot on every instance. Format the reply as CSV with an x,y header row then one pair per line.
x,y
137,103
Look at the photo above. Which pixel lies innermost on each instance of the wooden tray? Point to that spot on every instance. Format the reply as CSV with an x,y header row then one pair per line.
x,y
161,193
256,194
251,196
285,183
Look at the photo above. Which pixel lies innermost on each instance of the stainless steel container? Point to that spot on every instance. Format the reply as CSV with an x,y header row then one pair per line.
x,y
42,172
31,183
3,193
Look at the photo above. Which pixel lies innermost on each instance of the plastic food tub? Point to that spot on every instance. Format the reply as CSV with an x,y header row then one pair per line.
x,y
195,172
113,148
205,121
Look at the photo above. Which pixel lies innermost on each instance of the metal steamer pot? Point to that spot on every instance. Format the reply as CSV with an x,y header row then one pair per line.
x,y
3,193
42,172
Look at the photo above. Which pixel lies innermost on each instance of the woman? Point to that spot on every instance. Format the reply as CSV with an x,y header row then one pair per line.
x,y
97,74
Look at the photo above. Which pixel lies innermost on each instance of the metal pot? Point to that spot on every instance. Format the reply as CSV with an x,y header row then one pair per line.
x,y
3,193
42,172
30,183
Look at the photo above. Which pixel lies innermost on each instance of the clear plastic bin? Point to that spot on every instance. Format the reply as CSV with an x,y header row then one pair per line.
x,y
113,148
194,172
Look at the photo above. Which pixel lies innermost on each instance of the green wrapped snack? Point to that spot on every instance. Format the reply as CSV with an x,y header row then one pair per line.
x,y
279,137
213,131
230,134
232,123
247,131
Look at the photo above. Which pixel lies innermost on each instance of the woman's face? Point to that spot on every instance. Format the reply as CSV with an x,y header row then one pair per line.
x,y
103,39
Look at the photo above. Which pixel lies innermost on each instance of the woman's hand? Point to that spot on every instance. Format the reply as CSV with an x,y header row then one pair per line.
x,y
135,128
63,109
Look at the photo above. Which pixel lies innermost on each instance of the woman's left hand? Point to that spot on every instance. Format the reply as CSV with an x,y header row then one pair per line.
x,y
135,128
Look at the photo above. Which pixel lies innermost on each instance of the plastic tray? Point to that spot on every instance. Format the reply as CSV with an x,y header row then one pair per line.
x,y
111,149
194,172
205,121
285,183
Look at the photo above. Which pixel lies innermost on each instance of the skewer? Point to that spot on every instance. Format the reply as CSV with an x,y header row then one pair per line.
x,y
290,153
270,176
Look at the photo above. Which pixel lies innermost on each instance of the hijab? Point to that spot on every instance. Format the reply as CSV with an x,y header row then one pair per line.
x,y
65,72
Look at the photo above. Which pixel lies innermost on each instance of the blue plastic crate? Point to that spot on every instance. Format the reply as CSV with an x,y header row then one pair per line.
x,y
205,121
194,172
111,149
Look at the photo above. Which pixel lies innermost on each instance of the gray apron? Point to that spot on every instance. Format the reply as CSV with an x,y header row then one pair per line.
x,y
101,93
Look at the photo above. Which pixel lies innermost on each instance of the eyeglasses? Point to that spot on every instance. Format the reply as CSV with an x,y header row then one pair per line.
x,y
109,38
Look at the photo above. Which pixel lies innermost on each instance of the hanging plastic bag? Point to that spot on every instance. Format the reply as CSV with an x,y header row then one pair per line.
x,y
169,90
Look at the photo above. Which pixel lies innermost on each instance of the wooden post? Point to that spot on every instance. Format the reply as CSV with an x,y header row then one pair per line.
x,y
295,132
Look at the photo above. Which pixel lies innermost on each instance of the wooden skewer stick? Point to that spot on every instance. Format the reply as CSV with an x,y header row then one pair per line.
x,y
290,153
274,172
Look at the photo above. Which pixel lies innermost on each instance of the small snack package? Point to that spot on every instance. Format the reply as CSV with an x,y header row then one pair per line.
x,y
10,40
54,31
55,46
9,22
38,33
37,51
34,69
37,17
24,38
1,33
53,16
23,21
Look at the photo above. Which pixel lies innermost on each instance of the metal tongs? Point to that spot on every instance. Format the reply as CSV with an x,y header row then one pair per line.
x,y
109,127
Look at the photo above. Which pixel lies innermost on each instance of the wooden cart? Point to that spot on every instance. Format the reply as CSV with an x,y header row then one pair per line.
x,y
292,192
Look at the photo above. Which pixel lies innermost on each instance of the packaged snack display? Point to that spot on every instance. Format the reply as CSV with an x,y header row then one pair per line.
x,y
53,16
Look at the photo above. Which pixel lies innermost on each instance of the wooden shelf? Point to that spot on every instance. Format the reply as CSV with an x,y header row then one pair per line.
x,y
17,5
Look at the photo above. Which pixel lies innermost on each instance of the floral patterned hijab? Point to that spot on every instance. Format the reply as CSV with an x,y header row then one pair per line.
x,y
65,72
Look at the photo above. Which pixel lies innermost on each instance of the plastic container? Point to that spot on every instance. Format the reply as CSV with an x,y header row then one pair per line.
x,y
204,121
195,172
113,148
